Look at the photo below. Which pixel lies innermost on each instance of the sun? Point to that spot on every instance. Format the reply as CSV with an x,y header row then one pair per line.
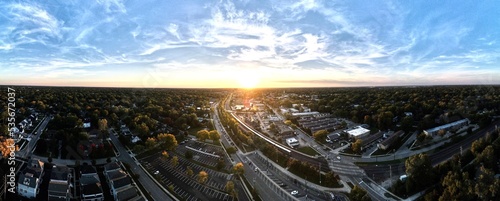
x,y
248,82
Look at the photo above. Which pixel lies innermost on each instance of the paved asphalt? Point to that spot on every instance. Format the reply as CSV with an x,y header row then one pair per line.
x,y
153,189
28,149
264,192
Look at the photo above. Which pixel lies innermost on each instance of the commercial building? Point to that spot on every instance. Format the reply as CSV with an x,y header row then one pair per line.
x,y
385,144
292,142
358,132
447,127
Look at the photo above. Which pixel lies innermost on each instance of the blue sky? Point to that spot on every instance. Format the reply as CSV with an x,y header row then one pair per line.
x,y
307,43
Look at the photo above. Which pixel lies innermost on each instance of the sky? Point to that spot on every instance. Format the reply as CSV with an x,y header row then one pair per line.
x,y
214,44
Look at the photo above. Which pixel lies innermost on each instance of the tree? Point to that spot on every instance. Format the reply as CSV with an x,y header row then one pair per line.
x,y
356,146
419,171
150,142
359,194
189,171
220,164
174,161
103,124
230,188
214,135
138,148
202,135
238,169
165,155
202,177
320,135
487,186
231,150
169,141
188,154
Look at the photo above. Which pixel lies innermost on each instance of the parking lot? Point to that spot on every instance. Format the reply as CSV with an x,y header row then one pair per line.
x,y
204,153
187,187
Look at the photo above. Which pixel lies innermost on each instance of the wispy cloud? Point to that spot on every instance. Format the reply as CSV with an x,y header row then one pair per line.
x,y
314,42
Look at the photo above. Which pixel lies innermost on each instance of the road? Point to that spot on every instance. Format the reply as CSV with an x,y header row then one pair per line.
x,y
151,187
28,149
264,192
382,172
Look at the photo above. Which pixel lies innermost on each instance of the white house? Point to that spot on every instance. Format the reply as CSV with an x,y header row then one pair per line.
x,y
30,179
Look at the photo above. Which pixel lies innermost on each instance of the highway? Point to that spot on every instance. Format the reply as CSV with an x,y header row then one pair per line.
x,y
264,192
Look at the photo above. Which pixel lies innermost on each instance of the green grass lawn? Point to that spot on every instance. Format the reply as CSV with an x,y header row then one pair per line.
x,y
308,150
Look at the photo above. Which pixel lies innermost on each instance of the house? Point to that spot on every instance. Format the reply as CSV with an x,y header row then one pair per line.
x,y
30,179
59,186
90,184
120,183
135,139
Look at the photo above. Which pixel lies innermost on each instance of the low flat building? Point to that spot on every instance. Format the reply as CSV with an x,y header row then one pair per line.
x,y
385,144
358,132
292,142
447,127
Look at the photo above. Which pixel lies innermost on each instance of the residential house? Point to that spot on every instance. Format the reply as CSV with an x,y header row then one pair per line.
x,y
30,179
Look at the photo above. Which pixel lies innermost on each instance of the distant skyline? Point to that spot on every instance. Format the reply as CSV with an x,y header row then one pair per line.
x,y
231,44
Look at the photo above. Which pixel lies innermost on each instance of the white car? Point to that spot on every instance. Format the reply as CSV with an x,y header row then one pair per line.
x,y
294,192
338,157
157,172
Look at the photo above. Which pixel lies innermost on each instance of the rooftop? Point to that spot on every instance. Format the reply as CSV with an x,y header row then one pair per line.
x,y
358,131
112,166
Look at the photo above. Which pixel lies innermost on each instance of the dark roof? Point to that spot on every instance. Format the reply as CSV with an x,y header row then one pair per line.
x,y
57,198
121,182
59,173
126,194
57,187
91,189
88,169
89,179
115,174
112,166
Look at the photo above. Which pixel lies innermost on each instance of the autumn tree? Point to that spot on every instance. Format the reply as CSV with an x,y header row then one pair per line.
x,y
214,135
356,146
189,171
202,177
103,124
320,135
419,171
174,161
165,155
238,169
359,194
150,142
168,140
230,188
202,135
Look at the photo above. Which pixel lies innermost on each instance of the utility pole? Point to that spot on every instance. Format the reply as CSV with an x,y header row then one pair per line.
x,y
320,174
390,171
